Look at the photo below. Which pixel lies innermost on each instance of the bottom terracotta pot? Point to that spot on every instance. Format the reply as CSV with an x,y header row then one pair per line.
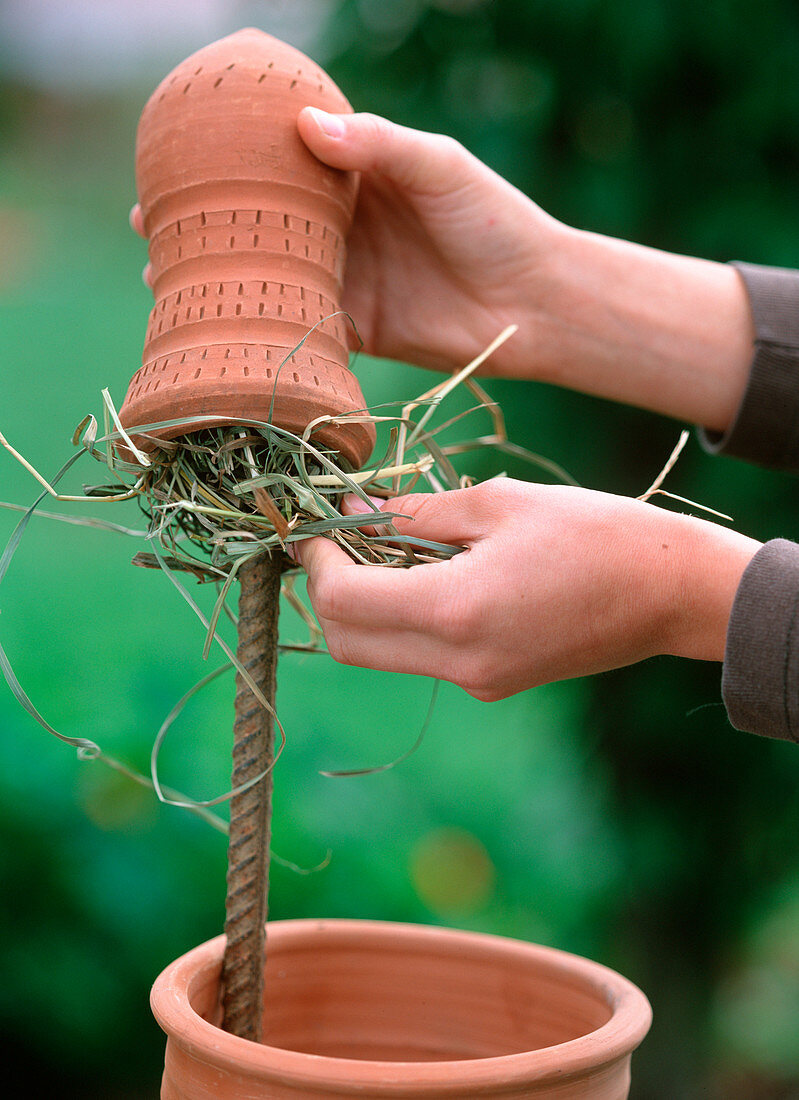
x,y
372,1009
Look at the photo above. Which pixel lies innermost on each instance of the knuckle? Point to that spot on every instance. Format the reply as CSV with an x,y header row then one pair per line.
x,y
338,646
452,149
329,600
374,127
481,678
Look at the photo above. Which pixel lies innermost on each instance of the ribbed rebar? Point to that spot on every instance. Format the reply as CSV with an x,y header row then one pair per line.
x,y
250,811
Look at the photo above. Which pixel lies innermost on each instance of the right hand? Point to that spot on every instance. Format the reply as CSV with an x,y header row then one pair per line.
x,y
443,253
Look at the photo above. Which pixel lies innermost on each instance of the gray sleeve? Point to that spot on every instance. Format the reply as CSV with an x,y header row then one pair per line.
x,y
760,680
766,427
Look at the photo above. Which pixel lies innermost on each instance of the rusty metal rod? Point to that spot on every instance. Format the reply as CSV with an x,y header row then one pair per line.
x,y
251,811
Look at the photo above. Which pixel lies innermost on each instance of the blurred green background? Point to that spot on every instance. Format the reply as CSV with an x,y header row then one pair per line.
x,y
619,817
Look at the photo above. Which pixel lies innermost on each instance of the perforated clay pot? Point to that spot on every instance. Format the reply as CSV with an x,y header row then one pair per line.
x,y
246,234
372,1009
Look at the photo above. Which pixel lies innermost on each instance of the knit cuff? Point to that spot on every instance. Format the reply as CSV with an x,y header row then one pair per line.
x,y
760,679
766,427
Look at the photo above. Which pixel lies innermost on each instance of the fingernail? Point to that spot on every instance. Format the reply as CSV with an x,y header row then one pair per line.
x,y
331,125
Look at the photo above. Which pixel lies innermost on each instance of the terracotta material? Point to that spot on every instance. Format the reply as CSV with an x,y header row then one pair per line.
x,y
372,1009
247,245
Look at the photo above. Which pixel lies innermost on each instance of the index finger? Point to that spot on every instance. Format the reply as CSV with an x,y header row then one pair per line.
x,y
346,592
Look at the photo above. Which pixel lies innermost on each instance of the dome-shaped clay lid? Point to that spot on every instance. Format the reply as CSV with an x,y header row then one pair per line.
x,y
247,246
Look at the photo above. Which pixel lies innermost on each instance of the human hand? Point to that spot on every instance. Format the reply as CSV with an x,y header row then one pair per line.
x,y
555,582
443,253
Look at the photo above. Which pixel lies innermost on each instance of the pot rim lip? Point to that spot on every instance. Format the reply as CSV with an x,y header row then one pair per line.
x,y
630,1021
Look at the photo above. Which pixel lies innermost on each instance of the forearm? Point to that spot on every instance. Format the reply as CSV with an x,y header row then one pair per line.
x,y
659,331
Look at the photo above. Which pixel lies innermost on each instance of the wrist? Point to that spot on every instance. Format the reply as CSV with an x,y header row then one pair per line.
x,y
648,328
710,563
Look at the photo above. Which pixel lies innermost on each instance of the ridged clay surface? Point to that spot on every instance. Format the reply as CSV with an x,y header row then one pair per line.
x,y
246,235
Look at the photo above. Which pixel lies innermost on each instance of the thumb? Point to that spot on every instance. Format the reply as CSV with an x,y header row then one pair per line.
x,y
429,163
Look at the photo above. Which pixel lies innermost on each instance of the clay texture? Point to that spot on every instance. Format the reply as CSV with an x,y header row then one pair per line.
x,y
246,235
374,1009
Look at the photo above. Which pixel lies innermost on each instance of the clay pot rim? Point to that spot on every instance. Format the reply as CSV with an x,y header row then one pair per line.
x,y
630,1021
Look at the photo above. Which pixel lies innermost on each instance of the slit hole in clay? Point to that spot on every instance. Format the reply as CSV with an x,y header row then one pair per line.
x,y
238,309
296,377
219,310
293,85
268,372
187,88
231,66
223,372
255,241
218,81
175,379
241,288
260,309
246,370
202,312
315,380
262,78
232,242
198,372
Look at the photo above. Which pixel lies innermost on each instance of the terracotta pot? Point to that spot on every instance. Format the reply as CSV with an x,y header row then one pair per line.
x,y
247,245
372,1009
